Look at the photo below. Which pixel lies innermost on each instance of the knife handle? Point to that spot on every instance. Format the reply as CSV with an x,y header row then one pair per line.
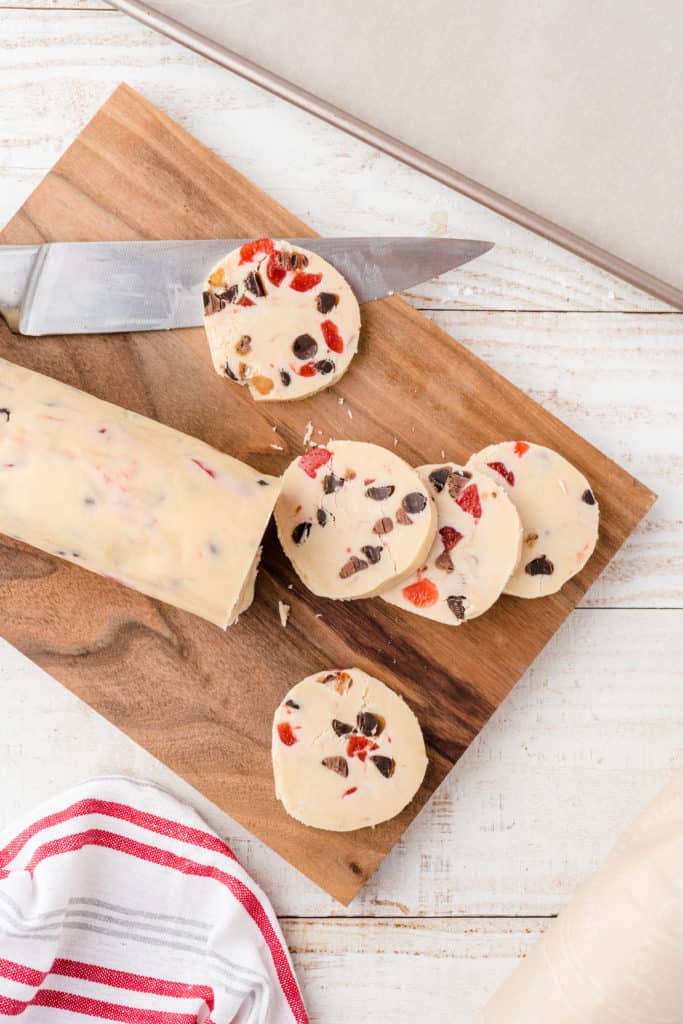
x,y
17,264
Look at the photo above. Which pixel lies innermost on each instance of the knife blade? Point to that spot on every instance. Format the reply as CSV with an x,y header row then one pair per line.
x,y
110,287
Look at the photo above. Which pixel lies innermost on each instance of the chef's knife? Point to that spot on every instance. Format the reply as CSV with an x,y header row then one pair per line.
x,y
108,287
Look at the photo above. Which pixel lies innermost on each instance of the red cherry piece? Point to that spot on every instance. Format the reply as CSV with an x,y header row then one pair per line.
x,y
286,734
245,301
423,593
469,501
360,746
275,272
207,469
521,448
348,792
332,336
450,537
302,282
502,469
248,251
307,370
313,459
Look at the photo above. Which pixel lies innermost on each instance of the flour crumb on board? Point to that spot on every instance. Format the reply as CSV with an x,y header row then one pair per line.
x,y
340,400
284,610
443,454
277,447
350,414
309,433
318,615
395,442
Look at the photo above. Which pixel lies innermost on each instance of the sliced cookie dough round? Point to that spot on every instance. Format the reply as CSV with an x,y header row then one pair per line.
x,y
347,751
353,518
557,507
477,547
281,320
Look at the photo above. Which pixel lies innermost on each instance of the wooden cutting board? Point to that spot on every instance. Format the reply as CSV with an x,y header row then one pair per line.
x,y
200,699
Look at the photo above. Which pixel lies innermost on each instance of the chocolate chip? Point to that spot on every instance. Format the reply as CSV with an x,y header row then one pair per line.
x,y
385,765
587,495
438,478
285,378
337,764
457,606
457,482
292,260
5,414
369,724
212,304
243,345
444,561
228,295
324,366
292,704
383,525
380,493
351,567
321,516
540,566
341,728
88,501
414,502
254,284
373,554
332,483
300,532
403,518
326,301
305,347
340,681
263,483
230,373
530,539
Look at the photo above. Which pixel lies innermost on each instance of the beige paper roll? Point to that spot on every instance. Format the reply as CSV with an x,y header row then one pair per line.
x,y
615,954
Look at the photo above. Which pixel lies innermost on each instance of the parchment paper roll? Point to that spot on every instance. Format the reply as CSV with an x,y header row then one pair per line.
x,y
130,498
615,954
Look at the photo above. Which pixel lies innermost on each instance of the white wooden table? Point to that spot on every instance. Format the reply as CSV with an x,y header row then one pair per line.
x,y
594,729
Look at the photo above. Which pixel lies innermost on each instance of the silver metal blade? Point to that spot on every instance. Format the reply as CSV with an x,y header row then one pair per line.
x,y
106,287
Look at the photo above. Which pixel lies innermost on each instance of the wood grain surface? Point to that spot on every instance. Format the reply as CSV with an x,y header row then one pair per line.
x,y
201,700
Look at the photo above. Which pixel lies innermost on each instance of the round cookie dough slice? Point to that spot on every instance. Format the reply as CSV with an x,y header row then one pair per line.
x,y
347,751
353,518
282,321
557,507
477,547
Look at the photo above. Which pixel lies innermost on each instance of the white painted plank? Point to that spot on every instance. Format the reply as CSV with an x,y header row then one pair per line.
x,y
617,380
583,742
59,66
395,972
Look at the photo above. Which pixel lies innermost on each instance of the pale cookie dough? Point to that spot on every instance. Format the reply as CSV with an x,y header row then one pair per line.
x,y
557,507
129,498
347,751
282,321
477,547
353,518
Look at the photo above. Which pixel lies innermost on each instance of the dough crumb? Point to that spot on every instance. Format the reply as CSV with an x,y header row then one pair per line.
x,y
340,400
309,433
350,414
395,442
277,447
443,454
318,615
284,610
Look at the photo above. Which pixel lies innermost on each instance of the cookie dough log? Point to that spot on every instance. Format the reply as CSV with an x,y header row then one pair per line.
x,y
353,518
557,507
282,321
477,547
127,497
347,751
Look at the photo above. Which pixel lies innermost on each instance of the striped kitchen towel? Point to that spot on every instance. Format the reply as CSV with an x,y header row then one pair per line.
x,y
117,903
